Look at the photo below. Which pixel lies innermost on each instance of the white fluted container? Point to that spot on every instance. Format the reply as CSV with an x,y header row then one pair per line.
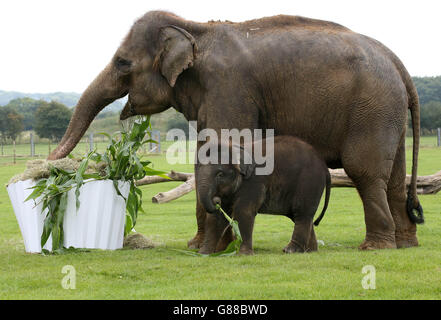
x,y
98,223
29,218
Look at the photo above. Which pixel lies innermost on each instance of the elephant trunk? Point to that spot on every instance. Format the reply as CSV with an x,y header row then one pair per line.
x,y
206,195
105,89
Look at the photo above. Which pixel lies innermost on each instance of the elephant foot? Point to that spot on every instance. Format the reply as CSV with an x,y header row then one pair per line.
x,y
246,251
224,242
294,247
196,242
205,250
406,235
406,240
375,243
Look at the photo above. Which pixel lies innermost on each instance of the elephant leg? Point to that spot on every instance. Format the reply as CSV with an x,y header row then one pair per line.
x,y
201,215
304,233
214,226
312,241
369,165
245,208
226,238
405,230
302,238
227,233
380,226
245,221
245,213
371,184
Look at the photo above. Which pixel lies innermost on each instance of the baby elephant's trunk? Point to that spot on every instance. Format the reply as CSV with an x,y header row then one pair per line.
x,y
207,198
216,201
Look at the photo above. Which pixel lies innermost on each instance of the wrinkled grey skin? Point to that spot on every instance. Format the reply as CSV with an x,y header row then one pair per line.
x,y
293,189
344,93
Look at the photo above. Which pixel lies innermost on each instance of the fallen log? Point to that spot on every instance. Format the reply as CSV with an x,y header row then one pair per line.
x,y
427,184
430,184
175,193
173,175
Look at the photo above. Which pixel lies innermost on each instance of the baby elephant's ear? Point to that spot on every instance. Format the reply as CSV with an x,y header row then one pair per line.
x,y
246,163
247,170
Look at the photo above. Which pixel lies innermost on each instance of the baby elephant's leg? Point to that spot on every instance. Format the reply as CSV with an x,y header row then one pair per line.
x,y
249,200
245,219
226,238
303,238
214,226
227,233
312,242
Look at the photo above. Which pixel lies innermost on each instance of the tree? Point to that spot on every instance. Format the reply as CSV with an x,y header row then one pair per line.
x,y
431,115
429,91
51,120
11,125
429,88
26,107
3,117
177,121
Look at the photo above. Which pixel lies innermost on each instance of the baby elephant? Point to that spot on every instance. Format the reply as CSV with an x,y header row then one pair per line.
x,y
294,189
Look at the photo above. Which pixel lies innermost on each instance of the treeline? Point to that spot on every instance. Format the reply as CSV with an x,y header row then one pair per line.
x,y
429,92
47,119
69,99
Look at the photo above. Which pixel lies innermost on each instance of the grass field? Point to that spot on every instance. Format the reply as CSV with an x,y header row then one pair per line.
x,y
334,272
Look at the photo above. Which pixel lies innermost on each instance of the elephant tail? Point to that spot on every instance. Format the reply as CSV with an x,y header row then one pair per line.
x,y
414,209
327,195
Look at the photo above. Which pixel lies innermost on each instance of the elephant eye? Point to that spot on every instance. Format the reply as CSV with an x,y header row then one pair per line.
x,y
220,174
122,64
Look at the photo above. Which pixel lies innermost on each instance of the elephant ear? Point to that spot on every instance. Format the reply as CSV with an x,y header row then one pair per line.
x,y
247,170
244,162
177,52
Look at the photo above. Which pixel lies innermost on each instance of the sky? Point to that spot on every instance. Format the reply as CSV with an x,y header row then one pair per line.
x,y
53,45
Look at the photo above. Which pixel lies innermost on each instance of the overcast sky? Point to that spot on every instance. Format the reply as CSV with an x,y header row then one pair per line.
x,y
48,45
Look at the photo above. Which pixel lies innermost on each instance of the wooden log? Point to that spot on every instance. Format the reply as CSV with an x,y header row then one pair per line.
x,y
174,176
340,179
430,184
427,184
175,193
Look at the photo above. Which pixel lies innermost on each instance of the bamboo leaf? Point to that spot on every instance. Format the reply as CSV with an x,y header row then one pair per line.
x,y
129,225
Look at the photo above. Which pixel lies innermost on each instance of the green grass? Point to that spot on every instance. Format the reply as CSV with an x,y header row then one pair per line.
x,y
334,272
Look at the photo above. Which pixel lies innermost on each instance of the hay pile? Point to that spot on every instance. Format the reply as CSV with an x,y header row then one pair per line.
x,y
138,241
40,168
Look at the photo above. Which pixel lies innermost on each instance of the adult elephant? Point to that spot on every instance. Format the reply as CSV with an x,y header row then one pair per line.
x,y
344,93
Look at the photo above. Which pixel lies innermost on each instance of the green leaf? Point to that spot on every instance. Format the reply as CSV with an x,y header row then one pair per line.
x,y
38,190
128,226
94,176
47,229
151,172
105,134
115,184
